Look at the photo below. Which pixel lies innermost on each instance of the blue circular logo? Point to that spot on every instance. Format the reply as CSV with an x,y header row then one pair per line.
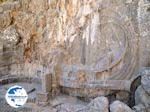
x,y
16,96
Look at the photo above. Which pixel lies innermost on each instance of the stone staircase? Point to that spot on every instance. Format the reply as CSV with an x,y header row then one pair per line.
x,y
8,57
4,63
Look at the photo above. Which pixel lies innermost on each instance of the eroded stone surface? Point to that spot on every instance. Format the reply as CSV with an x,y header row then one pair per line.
x,y
118,106
92,34
99,104
5,20
91,47
146,82
144,25
10,36
139,108
141,97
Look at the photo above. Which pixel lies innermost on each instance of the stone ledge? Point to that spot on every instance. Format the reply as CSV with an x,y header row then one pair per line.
x,y
42,98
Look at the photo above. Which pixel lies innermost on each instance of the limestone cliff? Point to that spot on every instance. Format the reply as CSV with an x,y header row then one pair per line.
x,y
79,41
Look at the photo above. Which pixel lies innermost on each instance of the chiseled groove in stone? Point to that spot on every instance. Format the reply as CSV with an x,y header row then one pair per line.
x,y
108,84
15,79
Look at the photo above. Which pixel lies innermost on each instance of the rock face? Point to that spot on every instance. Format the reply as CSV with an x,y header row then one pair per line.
x,y
144,25
104,55
9,36
36,22
85,48
90,47
99,104
139,108
146,82
10,52
118,106
84,44
141,97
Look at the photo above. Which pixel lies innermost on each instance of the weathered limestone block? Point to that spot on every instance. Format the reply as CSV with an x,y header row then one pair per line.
x,y
118,106
42,98
139,108
47,83
99,104
123,96
48,109
141,97
142,94
44,95
145,81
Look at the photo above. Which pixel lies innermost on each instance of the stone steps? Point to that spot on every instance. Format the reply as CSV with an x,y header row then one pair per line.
x,y
8,58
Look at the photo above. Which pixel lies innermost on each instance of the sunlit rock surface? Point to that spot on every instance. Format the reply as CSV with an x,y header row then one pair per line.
x,y
89,48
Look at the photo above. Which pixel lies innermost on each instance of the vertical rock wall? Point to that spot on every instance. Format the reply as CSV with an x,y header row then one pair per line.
x,y
144,28
99,35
